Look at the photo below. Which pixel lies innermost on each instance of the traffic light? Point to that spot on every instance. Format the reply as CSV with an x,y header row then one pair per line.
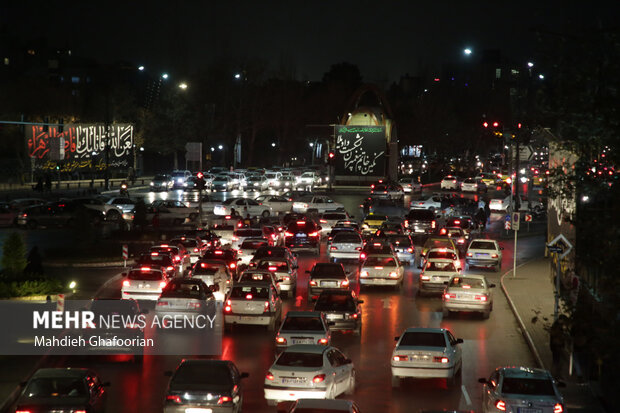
x,y
331,155
200,183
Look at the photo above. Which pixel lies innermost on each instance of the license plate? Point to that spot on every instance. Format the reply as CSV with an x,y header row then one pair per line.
x,y
482,254
302,341
329,284
528,410
335,316
198,410
293,381
246,318
419,230
301,235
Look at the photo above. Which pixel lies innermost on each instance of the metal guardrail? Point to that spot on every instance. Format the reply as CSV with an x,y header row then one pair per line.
x,y
78,184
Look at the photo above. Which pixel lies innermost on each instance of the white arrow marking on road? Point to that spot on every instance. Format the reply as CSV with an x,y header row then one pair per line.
x,y
466,395
386,302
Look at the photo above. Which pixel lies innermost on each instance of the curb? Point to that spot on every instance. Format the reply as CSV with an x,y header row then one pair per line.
x,y
60,264
524,332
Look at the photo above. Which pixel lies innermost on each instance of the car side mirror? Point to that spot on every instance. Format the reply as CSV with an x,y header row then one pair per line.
x,y
459,341
168,373
491,285
482,380
244,375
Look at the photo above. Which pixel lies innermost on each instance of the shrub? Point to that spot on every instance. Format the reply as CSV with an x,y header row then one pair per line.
x,y
14,255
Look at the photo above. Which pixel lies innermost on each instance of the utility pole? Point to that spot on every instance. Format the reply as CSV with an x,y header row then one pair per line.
x,y
107,140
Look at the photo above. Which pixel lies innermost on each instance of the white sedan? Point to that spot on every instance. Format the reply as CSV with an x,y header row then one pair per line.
x,y
426,353
382,269
432,203
319,203
309,372
243,207
278,204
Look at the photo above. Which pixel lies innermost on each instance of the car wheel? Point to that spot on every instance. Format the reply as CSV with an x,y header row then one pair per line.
x,y
395,382
265,214
113,216
351,387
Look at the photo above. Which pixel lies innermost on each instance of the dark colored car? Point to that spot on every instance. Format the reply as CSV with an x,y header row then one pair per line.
x,y
229,256
209,238
157,259
342,309
303,235
390,228
326,276
266,253
377,246
212,385
60,213
64,390
421,222
126,309
464,222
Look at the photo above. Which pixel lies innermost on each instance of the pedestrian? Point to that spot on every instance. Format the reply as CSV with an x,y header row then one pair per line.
x,y
481,204
558,341
487,212
247,221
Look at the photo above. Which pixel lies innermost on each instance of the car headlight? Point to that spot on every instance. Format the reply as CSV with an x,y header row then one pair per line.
x,y
152,183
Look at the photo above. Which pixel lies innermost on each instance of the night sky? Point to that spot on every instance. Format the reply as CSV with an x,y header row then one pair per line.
x,y
384,38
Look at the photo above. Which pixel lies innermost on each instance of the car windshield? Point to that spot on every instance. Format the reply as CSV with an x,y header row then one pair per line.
x,y
423,339
401,241
440,266
145,275
255,276
528,386
449,255
291,359
253,245
202,374
466,282
347,237
380,261
181,290
250,292
333,216
303,324
157,259
334,302
56,387
328,270
482,245
269,252
273,266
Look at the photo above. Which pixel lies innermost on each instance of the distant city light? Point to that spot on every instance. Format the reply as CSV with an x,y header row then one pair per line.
x,y
273,144
212,149
140,68
467,51
220,147
164,76
183,86
237,75
541,76
311,144
530,64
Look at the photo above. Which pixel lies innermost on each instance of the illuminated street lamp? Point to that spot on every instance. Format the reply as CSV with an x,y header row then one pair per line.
x,y
183,85
220,147
164,76
467,51
530,64
141,68
237,75
541,76
273,144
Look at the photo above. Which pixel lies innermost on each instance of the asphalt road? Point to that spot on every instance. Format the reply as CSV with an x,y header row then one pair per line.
x,y
487,343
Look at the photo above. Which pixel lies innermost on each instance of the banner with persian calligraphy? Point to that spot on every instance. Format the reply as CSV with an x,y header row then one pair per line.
x,y
83,143
360,150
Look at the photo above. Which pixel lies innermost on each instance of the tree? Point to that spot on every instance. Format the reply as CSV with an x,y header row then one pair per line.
x,y
14,255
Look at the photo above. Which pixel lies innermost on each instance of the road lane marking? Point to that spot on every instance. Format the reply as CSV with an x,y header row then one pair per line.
x,y
466,395
386,302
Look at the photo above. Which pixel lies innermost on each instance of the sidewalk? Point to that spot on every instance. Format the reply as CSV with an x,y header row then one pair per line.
x,y
531,298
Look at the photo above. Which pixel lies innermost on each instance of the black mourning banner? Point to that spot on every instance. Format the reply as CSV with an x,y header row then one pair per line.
x,y
360,151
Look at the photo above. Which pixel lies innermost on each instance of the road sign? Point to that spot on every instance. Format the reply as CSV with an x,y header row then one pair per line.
x,y
562,246
194,151
125,253
528,217
525,153
507,218
507,225
515,220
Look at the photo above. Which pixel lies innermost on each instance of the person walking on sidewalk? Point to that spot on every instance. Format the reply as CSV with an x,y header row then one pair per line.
x,y
558,342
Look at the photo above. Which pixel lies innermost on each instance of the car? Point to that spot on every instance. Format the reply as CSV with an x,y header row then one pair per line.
x,y
161,182
457,234
303,327
348,223
468,293
75,389
163,260
444,253
177,209
403,247
185,295
382,269
490,179
345,245
247,249
339,230
303,235
309,371
500,204
437,242
205,385
243,207
179,254
119,337
228,256
316,203
521,389
143,283
372,223
273,179
273,252
111,212
326,276
243,233
342,308
390,228
285,274
222,183
473,185
215,274
465,222
320,406
278,204
253,304
484,253
426,353
309,178
288,182
387,190
433,203
58,214
435,273
124,204
257,183
421,222
451,182
179,178
194,247
328,220
410,185
250,276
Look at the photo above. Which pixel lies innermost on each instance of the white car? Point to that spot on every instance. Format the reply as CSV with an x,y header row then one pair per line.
x,y
257,183
253,304
442,253
273,179
345,245
307,371
318,203
111,212
451,182
505,205
410,186
468,293
521,389
435,274
179,177
248,247
243,207
329,219
143,283
278,204
285,273
175,208
473,185
124,204
222,183
484,253
382,269
324,405
432,202
308,179
426,353
250,276
215,274
303,327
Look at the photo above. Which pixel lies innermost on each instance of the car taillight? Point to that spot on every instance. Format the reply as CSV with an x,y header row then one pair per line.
x,y
480,297
460,241
162,303
126,283
500,405
269,376
24,216
400,358
558,408
280,340
173,398
354,315
469,254
323,221
494,255
171,268
322,341
232,265
313,283
288,234
443,360
224,399
449,296
314,234
193,305
378,268
287,278
162,284
358,248
228,308
433,224
364,274
362,256
266,306
425,277
272,268
196,250
332,248
410,250
319,378
344,283
177,258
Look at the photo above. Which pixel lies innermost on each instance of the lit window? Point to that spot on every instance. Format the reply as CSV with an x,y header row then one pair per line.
x,y
6,61
498,73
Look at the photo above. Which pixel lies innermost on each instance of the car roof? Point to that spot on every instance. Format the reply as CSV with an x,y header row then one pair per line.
x,y
303,314
253,284
524,372
424,330
476,276
344,405
307,348
439,260
484,240
61,372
